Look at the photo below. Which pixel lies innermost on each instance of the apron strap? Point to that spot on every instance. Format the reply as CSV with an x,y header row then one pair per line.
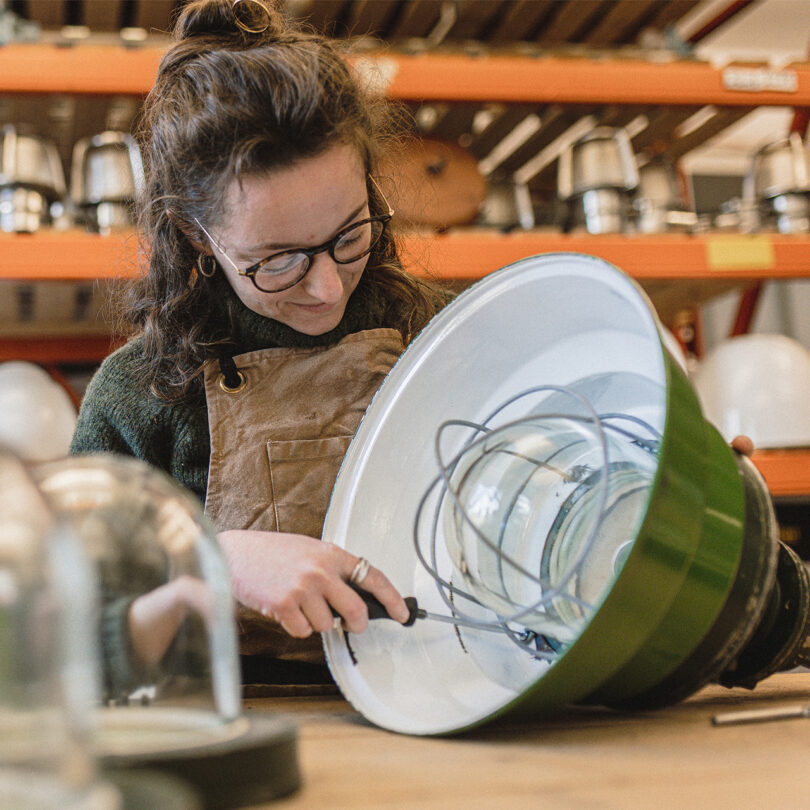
x,y
231,380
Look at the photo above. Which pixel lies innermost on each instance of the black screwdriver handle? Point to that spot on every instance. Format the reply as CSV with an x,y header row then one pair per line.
x,y
376,609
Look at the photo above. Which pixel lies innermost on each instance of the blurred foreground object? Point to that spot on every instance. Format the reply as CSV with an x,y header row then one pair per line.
x,y
168,636
48,657
37,416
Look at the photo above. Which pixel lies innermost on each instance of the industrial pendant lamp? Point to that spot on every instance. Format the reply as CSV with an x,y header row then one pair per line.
x,y
536,472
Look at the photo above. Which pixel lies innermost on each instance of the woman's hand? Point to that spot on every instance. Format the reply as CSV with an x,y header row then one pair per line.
x,y
296,580
154,618
743,445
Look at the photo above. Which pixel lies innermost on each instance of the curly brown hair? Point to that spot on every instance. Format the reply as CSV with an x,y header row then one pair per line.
x,y
229,103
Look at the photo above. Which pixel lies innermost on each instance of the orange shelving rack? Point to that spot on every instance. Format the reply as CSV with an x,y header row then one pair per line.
x,y
677,268
595,79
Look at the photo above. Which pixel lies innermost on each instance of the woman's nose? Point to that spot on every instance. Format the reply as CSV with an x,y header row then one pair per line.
x,y
323,281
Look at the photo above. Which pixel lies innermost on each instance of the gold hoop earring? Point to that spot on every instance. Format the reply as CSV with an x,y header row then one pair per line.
x,y
248,18
201,261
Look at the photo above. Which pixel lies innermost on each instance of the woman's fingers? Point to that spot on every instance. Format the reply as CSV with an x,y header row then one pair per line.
x,y
318,613
292,619
298,580
375,582
336,595
743,445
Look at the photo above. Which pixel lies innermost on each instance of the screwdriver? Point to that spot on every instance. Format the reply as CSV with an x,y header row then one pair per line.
x,y
376,610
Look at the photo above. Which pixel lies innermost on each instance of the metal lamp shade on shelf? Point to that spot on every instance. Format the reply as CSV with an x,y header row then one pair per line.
x,y
31,179
778,185
560,501
106,173
660,203
596,176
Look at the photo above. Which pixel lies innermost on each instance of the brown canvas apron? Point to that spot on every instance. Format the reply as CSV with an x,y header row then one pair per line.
x,y
277,445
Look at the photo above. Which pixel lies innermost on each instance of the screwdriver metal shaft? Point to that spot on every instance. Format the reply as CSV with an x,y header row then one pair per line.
x,y
376,610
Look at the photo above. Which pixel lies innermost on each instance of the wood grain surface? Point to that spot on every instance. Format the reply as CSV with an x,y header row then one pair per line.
x,y
585,759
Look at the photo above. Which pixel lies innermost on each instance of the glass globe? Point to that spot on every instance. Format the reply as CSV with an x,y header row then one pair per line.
x,y
37,417
166,631
167,635
542,509
48,663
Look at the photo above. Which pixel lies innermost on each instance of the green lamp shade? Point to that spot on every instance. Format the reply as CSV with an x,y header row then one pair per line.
x,y
536,466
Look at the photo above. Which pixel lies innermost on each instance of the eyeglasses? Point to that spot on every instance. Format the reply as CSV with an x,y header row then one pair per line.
x,y
280,271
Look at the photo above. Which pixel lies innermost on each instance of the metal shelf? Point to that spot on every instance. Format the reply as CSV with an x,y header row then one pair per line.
x,y
611,86
787,472
462,254
468,253
438,76
677,271
67,256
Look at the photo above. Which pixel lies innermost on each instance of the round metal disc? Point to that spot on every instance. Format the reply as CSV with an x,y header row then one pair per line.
x,y
252,760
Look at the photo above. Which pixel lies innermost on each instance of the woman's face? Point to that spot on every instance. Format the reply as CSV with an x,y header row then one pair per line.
x,y
303,205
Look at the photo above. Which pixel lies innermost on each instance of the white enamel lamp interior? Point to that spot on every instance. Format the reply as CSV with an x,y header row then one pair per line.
x,y
566,321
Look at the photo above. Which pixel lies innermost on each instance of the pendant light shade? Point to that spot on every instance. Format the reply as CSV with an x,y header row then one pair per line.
x,y
537,472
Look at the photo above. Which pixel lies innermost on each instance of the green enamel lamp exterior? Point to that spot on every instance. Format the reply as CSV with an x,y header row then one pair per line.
x,y
671,587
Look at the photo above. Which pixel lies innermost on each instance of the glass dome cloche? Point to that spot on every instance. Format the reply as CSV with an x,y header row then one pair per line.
x,y
48,658
167,633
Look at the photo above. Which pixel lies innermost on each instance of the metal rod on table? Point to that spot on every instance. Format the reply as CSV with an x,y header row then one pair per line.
x,y
760,715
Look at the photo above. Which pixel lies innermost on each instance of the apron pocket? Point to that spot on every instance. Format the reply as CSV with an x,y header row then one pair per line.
x,y
302,475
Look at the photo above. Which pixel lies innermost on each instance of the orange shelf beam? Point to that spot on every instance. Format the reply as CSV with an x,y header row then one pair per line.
x,y
579,80
67,256
787,472
57,350
466,254
82,68
110,69
462,254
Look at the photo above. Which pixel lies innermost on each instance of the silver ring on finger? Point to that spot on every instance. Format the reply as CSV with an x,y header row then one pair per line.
x,y
359,571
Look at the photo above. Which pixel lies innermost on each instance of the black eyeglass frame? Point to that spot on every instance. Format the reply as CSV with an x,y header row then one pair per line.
x,y
310,253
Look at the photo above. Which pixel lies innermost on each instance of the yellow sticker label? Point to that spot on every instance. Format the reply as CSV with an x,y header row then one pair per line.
x,y
740,253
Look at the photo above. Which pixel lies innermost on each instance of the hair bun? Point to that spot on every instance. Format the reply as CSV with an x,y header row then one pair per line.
x,y
229,19
252,16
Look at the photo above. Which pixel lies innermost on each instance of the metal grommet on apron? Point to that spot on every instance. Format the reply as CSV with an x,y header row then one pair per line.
x,y
280,422
231,380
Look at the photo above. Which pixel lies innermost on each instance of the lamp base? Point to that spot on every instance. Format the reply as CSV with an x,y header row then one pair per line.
x,y
254,766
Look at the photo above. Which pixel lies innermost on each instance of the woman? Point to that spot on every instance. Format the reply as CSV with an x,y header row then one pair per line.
x,y
273,307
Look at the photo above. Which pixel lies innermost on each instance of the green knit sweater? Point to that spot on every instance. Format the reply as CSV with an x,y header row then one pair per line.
x,y
119,414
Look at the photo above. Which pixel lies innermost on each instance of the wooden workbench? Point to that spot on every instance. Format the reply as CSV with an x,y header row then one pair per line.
x,y
588,759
